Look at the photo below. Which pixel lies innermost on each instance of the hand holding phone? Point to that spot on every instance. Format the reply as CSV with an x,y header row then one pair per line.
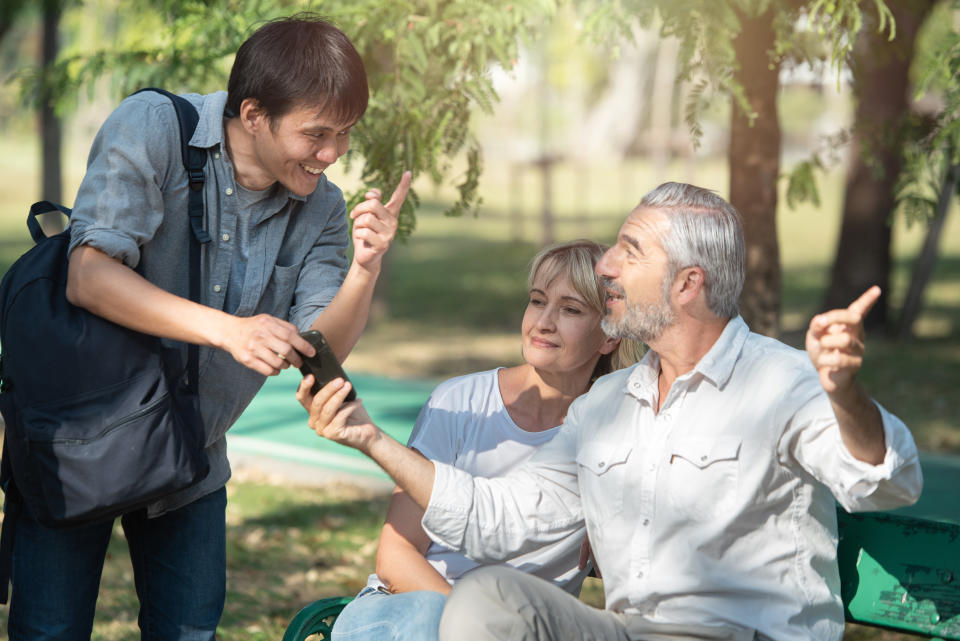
x,y
323,365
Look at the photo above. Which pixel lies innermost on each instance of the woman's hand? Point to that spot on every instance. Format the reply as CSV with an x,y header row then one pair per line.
x,y
344,423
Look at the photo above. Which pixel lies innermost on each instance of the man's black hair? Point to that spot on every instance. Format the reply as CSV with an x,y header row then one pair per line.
x,y
302,60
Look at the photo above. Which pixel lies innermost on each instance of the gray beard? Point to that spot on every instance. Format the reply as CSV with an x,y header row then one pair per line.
x,y
642,323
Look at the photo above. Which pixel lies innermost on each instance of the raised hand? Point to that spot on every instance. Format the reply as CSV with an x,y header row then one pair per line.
x,y
835,342
375,224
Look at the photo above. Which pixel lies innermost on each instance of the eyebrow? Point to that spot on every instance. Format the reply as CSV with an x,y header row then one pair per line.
x,y
316,127
633,242
576,299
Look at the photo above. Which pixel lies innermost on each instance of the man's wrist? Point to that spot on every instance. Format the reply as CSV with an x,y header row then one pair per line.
x,y
217,331
850,395
369,270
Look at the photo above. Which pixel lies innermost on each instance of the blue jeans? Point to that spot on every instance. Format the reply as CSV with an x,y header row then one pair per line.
x,y
381,616
179,568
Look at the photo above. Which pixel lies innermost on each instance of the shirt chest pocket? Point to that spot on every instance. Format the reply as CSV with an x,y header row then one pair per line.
x,y
601,467
278,294
703,476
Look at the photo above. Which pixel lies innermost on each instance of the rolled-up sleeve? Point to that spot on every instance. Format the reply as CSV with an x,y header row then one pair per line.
x,y
814,441
893,483
325,266
493,519
119,205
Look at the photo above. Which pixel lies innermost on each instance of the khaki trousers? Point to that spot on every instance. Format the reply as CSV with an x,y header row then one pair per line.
x,y
500,603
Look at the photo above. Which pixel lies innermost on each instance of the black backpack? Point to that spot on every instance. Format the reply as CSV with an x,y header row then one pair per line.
x,y
100,419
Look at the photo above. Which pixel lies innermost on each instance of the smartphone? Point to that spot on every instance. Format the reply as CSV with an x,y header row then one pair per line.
x,y
323,365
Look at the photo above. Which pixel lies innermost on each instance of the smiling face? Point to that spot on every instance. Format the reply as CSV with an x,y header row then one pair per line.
x,y
561,331
636,272
297,147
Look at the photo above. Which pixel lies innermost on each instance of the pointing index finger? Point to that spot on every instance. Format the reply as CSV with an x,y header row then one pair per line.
x,y
866,301
400,194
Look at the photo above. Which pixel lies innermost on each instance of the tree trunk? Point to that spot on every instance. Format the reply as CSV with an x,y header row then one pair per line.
x,y
754,159
923,267
880,85
9,10
50,134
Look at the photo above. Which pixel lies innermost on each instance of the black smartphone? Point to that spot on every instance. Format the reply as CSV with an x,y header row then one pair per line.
x,y
323,365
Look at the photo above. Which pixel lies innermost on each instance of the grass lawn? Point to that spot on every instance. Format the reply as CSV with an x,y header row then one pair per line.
x,y
450,302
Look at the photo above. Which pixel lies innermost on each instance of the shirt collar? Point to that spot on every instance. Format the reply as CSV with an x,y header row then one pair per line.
x,y
209,130
642,382
716,365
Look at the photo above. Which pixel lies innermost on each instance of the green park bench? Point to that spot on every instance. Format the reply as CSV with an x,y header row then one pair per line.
x,y
896,572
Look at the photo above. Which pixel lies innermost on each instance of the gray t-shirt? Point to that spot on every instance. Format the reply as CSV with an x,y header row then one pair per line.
x,y
248,201
132,205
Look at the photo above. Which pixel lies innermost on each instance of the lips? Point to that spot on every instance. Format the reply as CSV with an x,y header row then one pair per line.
x,y
313,171
543,343
614,291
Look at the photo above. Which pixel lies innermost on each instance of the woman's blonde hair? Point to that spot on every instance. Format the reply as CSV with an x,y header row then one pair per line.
x,y
575,261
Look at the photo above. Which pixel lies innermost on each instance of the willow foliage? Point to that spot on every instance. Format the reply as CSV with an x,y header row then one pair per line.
x,y
428,63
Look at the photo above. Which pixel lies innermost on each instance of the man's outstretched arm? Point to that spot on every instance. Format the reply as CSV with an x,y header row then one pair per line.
x,y
350,425
835,343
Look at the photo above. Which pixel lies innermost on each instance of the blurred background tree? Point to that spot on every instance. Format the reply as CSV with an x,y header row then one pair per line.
x,y
930,172
738,49
49,125
433,67
428,65
883,123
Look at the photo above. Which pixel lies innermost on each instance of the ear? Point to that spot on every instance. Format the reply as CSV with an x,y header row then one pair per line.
x,y
608,345
689,284
253,116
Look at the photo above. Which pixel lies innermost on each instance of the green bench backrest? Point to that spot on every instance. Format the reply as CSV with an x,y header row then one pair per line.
x,y
900,573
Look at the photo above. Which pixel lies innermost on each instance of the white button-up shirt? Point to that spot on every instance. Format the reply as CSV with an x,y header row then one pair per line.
x,y
717,510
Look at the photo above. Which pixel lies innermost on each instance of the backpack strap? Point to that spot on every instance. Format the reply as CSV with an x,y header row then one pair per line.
x,y
43,207
194,160
12,507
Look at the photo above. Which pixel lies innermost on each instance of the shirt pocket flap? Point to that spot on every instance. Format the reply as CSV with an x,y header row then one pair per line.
x,y
598,457
703,452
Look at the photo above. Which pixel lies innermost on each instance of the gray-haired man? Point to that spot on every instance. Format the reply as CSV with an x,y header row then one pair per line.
x,y
706,474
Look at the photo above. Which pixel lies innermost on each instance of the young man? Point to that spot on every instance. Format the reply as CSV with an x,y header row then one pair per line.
x,y
276,266
706,474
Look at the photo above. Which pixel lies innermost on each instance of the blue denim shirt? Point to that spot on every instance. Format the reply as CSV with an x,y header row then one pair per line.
x,y
132,205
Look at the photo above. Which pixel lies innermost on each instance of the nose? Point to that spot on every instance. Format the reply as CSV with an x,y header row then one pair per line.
x,y
605,266
546,320
328,153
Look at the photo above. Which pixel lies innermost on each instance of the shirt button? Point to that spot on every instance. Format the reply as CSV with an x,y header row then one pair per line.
x,y
228,191
640,574
217,288
646,522
703,458
225,237
216,155
601,464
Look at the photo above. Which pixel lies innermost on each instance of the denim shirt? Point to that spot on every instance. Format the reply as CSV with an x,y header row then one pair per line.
x,y
132,205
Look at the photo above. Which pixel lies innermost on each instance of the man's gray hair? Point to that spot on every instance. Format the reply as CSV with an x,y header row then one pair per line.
x,y
706,232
